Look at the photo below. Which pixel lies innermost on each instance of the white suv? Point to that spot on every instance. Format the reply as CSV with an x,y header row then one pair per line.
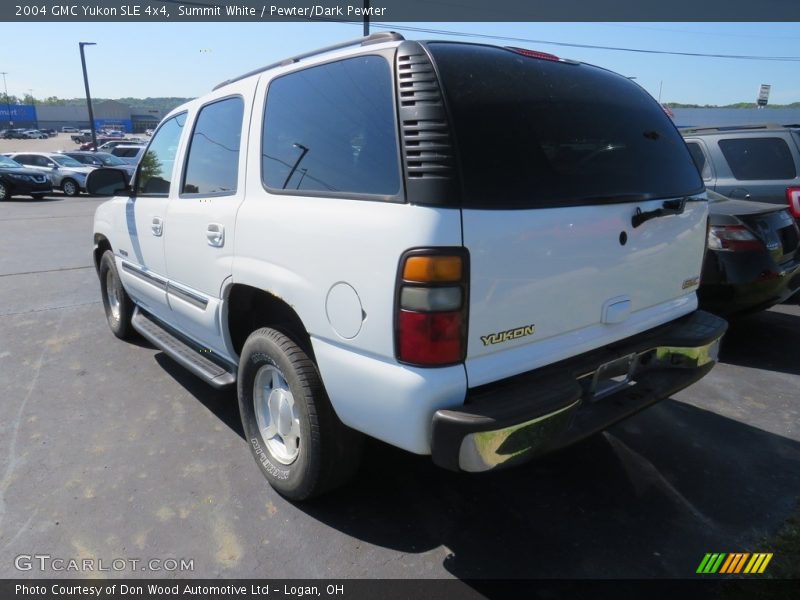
x,y
467,251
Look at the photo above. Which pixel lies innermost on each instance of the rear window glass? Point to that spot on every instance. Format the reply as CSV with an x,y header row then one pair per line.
x,y
539,133
758,158
699,158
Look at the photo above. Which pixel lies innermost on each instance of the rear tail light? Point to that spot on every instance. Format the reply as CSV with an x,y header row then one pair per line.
x,y
793,198
732,238
431,307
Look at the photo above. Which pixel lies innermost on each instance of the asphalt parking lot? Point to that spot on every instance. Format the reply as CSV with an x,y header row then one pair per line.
x,y
110,450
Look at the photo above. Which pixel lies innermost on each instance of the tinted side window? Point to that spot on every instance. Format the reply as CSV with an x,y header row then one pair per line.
x,y
699,158
213,163
155,167
758,158
331,129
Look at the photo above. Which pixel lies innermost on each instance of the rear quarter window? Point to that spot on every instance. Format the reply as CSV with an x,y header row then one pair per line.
x,y
758,158
699,159
538,133
330,130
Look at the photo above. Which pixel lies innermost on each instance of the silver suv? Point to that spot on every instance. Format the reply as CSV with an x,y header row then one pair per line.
x,y
66,173
752,162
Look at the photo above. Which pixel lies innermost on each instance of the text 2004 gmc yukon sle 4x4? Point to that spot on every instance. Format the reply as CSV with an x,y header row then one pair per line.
x,y
473,252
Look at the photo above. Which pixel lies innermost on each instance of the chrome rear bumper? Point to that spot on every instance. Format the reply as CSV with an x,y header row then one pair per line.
x,y
511,421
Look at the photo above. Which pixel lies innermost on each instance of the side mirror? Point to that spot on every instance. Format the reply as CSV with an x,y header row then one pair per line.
x,y
106,182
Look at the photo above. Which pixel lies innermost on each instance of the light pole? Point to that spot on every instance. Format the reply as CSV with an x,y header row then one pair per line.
x,y
8,106
88,95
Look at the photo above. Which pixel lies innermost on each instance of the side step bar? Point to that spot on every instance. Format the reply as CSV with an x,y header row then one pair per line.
x,y
181,351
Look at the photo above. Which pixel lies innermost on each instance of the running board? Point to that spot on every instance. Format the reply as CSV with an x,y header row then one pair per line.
x,y
180,351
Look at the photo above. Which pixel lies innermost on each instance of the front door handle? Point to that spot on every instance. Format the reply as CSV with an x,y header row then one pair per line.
x,y
215,234
157,226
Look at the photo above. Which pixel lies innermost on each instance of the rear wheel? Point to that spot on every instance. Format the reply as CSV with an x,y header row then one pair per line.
x,y
116,302
4,192
70,187
293,432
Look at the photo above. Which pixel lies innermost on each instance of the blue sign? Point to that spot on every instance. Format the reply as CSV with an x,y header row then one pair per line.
x,y
125,125
19,112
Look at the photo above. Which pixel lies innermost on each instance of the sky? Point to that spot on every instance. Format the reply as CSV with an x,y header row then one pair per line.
x,y
189,59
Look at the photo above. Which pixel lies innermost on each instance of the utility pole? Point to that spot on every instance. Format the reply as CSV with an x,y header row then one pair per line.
x,y
366,18
8,105
88,96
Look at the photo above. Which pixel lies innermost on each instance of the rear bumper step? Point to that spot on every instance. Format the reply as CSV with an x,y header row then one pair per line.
x,y
182,351
513,420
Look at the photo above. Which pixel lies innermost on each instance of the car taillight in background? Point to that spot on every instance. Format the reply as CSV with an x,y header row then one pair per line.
x,y
732,238
793,198
431,307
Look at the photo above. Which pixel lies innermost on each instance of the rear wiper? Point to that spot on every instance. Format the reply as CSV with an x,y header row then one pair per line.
x,y
669,207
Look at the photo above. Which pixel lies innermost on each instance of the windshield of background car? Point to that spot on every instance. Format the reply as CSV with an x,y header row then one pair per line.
x,y
110,160
8,163
66,161
535,133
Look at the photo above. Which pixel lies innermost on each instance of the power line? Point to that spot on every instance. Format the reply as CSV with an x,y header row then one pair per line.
x,y
465,34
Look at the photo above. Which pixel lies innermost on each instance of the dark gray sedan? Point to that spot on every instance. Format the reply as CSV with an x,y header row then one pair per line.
x,y
102,159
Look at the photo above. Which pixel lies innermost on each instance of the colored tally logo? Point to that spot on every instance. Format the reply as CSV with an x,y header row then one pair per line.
x,y
736,562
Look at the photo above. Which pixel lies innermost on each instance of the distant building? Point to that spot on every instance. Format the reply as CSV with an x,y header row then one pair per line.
x,y
108,114
17,115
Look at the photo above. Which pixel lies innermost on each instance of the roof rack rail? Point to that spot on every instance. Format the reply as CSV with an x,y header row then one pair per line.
x,y
375,38
691,129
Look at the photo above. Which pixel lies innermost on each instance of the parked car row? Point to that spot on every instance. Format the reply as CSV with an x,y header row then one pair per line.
x,y
27,134
104,143
65,171
752,174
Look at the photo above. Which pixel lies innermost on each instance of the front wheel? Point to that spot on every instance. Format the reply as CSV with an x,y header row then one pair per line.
x,y
116,302
70,187
4,192
293,432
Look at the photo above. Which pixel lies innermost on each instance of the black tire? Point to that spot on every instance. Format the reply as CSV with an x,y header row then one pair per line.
x,y
327,452
5,192
70,187
118,321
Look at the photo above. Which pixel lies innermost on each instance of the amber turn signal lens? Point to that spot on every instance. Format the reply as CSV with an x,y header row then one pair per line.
x,y
427,269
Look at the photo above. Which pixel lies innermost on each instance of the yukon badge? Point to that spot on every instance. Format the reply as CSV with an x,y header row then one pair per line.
x,y
691,282
504,336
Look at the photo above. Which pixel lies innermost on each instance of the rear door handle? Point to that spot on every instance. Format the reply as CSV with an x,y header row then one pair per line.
x,y
157,226
215,234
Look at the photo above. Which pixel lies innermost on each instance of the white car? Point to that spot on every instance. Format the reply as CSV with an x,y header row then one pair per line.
x,y
34,134
470,252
